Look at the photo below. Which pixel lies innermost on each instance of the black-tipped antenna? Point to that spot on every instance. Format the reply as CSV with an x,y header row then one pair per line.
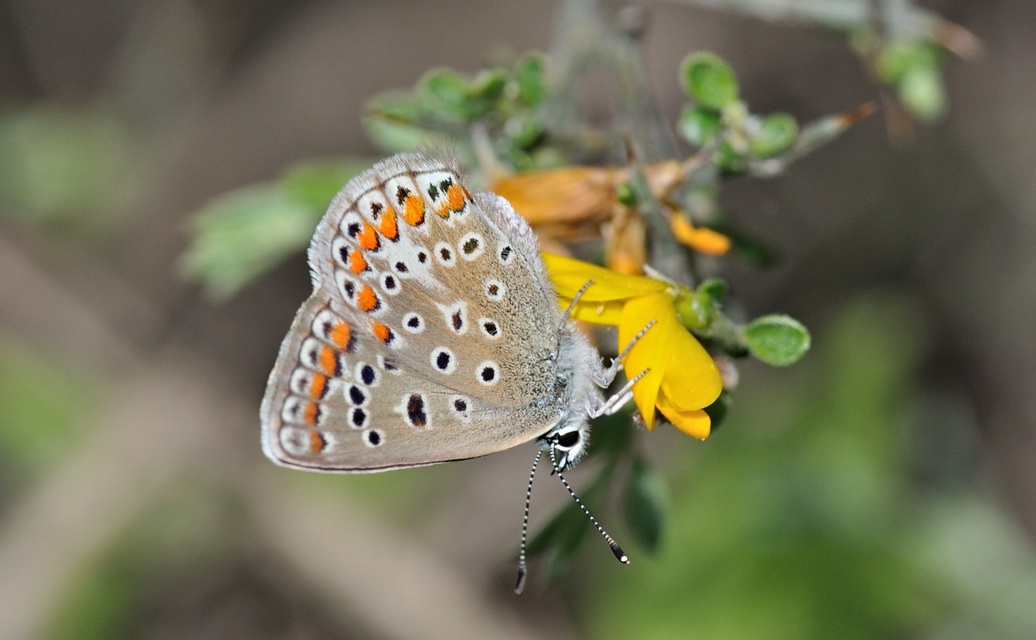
x,y
519,585
617,551
620,555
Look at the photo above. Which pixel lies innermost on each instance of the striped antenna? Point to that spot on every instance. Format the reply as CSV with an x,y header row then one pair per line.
x,y
617,551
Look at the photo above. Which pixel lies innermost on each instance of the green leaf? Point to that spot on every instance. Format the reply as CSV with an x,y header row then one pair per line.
x,y
573,527
776,339
777,132
528,74
699,125
445,92
398,106
709,80
488,86
394,136
913,67
566,524
921,90
612,436
647,502
243,234
562,536
396,121
484,93
899,57
314,184
729,160
523,129
714,288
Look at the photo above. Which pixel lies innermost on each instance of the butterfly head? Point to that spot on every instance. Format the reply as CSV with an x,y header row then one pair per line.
x,y
576,394
569,440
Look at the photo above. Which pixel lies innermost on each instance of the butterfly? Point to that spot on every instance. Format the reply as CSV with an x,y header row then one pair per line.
x,y
433,334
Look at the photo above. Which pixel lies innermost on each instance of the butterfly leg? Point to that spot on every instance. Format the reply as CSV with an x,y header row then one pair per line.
x,y
575,300
604,377
619,399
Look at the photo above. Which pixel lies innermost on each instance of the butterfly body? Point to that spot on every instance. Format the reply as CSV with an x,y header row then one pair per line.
x,y
432,334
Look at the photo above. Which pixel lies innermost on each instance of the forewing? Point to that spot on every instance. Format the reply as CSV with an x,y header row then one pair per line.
x,y
430,334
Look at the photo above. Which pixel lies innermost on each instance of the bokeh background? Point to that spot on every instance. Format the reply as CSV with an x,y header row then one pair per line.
x,y
881,488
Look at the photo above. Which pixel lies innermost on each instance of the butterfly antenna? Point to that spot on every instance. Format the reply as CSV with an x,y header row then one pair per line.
x,y
620,555
519,586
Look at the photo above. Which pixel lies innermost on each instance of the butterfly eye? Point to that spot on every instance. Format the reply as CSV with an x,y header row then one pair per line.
x,y
568,440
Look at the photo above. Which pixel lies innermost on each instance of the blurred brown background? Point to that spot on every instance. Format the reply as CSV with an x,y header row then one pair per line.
x,y
132,428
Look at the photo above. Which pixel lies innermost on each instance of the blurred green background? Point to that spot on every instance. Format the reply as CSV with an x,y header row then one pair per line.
x,y
881,488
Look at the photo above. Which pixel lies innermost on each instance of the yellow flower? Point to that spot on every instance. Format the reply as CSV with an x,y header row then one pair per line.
x,y
682,378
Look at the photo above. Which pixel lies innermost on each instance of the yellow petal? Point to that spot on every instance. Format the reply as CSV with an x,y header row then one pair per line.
x,y
570,275
595,312
694,423
680,371
649,352
692,380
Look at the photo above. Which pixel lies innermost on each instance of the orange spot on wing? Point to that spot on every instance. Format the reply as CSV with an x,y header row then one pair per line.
x,y
382,332
312,413
388,226
341,335
357,263
329,361
414,209
316,442
368,238
455,197
367,300
318,386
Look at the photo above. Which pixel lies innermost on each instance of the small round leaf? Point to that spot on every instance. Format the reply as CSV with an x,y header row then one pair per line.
x,y
488,86
524,130
699,125
777,132
709,80
778,340
921,90
446,92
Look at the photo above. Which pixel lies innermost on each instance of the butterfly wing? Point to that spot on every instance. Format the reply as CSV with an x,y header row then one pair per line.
x,y
431,334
